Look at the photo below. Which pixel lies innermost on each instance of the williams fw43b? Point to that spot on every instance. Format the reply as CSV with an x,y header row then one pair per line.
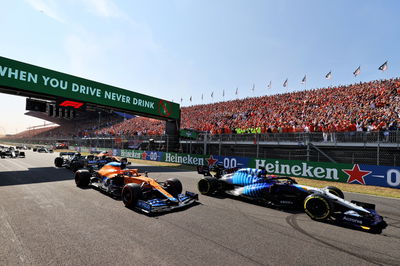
x,y
91,162
137,190
11,152
319,204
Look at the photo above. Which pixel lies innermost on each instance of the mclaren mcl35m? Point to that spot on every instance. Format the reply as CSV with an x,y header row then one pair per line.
x,y
319,204
137,190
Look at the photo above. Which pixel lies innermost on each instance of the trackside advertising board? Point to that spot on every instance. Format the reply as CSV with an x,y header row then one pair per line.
x,y
362,174
25,77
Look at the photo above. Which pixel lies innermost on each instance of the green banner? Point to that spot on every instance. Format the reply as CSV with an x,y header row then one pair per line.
x,y
21,76
188,134
313,170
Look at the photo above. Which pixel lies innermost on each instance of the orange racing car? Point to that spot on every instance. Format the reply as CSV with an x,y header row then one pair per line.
x,y
137,190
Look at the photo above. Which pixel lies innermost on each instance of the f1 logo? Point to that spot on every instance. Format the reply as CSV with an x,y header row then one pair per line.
x,y
72,104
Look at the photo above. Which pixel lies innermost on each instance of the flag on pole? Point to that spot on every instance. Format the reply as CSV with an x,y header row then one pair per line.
x,y
329,75
285,83
237,90
357,71
383,67
190,99
202,97
303,81
223,93
254,86
212,94
181,100
270,84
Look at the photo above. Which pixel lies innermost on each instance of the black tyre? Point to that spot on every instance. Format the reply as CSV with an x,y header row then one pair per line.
x,y
75,166
173,186
82,178
207,185
335,191
131,193
124,160
318,207
58,162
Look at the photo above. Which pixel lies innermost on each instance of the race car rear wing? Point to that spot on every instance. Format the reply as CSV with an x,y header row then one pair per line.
x,y
67,153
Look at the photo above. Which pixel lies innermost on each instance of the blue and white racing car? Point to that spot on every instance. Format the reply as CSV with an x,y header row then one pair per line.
x,y
319,203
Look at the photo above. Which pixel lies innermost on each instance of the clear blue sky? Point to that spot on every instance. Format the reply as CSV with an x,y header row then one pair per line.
x,y
182,48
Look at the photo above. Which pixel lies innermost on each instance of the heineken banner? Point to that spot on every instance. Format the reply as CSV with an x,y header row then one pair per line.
x,y
362,174
23,77
188,134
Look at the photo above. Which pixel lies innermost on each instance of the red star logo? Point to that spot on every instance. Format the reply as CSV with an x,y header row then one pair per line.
x,y
356,174
211,161
144,155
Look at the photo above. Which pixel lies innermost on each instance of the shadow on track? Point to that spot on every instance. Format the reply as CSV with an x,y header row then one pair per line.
x,y
35,175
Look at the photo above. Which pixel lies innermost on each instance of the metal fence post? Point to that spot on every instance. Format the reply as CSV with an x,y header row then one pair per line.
x,y
377,153
205,144
258,145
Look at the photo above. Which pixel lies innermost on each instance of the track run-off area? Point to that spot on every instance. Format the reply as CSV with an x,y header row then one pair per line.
x,y
46,220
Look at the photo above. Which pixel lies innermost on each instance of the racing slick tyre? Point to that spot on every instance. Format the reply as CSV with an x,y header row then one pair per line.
x,y
82,178
131,193
75,166
335,191
124,160
173,186
207,185
58,162
318,207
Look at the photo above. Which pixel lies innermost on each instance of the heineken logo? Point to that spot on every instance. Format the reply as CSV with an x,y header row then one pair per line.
x,y
302,169
183,159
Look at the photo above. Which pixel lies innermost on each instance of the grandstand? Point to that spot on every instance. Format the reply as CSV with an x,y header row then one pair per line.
x,y
355,123
369,106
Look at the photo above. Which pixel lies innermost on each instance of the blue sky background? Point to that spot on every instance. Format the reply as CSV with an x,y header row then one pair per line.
x,y
182,48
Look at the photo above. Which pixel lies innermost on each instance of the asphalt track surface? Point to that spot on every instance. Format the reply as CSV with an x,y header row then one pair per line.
x,y
46,220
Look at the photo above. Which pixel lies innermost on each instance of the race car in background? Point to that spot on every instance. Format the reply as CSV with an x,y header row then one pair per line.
x,y
60,146
11,152
319,204
137,190
91,162
70,160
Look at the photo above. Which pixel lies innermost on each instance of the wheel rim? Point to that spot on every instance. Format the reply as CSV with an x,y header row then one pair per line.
x,y
317,208
126,196
204,186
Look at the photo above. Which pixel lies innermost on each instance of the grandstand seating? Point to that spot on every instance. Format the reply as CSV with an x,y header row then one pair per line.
x,y
369,106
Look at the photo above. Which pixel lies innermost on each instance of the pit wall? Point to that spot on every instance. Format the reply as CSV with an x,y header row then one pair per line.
x,y
363,174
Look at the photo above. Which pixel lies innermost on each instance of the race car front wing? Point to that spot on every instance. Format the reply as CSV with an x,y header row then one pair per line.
x,y
164,205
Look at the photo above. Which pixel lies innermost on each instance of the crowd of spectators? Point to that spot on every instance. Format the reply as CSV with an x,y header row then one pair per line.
x,y
369,106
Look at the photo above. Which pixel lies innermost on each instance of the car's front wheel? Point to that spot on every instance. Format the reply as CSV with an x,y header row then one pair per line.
x,y
131,193
173,186
335,191
317,207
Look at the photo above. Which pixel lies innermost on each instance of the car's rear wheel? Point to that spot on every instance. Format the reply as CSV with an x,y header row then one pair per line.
x,y
335,191
75,166
207,185
173,186
82,178
58,162
131,193
317,207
